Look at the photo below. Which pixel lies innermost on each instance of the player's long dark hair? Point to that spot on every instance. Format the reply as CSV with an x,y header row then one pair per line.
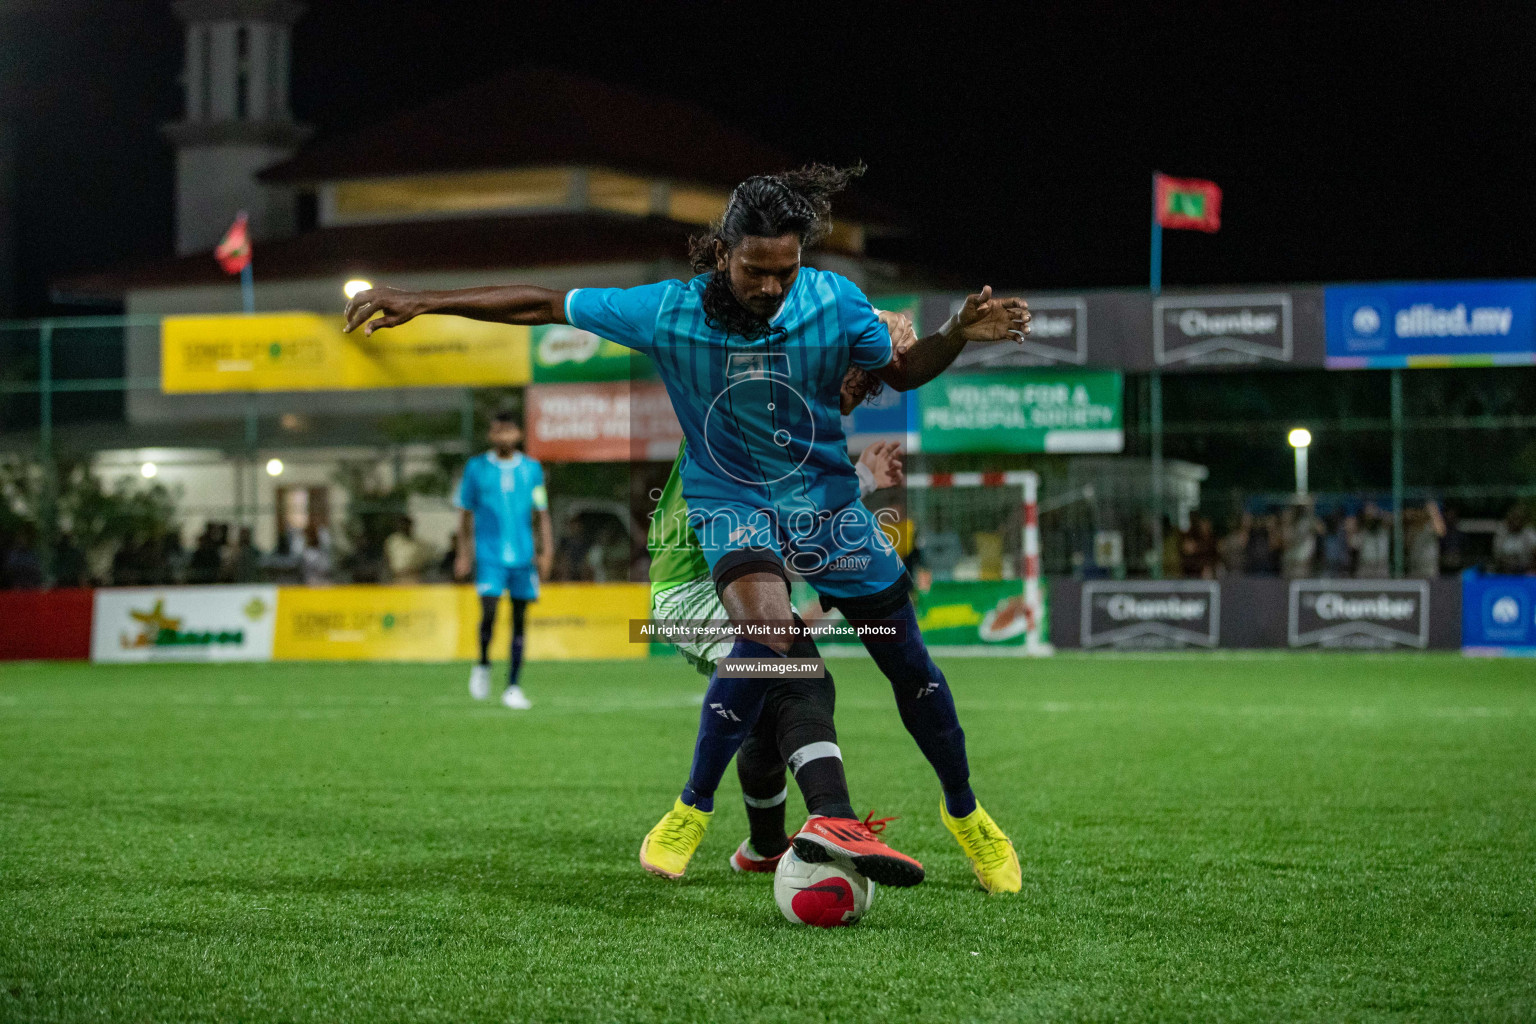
x,y
768,205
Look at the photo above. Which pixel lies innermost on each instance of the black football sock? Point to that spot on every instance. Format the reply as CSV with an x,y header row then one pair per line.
x,y
519,618
808,738
761,770
818,769
765,823
487,625
927,708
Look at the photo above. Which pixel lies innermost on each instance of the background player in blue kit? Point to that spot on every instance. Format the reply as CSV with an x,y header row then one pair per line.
x,y
501,492
753,352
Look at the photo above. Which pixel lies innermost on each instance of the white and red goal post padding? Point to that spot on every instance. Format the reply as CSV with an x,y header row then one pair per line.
x,y
1029,540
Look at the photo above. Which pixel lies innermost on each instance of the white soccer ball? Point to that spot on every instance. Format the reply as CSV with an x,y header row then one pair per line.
x,y
822,895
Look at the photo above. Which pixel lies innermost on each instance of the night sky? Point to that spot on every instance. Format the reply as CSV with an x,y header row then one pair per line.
x,y
1378,140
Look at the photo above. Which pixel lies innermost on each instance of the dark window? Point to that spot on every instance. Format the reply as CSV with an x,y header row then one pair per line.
x,y
242,71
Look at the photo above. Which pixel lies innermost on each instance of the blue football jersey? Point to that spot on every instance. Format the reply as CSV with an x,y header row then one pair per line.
x,y
760,417
503,494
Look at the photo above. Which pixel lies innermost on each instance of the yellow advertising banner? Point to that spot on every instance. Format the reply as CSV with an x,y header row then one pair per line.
x,y
570,621
308,352
367,624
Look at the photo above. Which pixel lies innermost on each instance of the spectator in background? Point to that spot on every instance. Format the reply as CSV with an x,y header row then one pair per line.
x,y
1299,531
1233,547
69,568
1197,550
1422,529
243,559
1373,545
168,558
1453,545
406,556
207,559
1261,556
124,562
1338,548
1514,544
23,568
1173,539
315,560
571,551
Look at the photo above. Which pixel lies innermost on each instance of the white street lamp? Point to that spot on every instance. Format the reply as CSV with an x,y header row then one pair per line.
x,y
354,286
1300,439
274,467
148,470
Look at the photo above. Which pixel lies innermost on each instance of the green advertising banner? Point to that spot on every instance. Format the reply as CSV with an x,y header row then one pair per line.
x,y
564,354
955,613
911,305
1022,411
986,613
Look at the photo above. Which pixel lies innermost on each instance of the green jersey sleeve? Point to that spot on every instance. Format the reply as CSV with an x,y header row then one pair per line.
x,y
676,556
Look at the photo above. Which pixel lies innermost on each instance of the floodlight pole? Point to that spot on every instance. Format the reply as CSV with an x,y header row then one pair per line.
x,y
1301,470
247,288
47,532
1397,473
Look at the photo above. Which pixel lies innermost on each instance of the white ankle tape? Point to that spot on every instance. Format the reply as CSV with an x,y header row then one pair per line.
x,y
772,801
812,752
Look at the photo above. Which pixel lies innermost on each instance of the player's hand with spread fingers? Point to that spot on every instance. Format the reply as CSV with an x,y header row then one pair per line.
x,y
985,317
396,305
883,460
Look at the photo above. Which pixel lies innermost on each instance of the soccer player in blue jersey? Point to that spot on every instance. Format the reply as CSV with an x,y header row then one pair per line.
x,y
500,494
753,351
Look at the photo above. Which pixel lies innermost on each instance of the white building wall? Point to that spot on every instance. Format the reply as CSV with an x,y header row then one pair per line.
x,y
217,183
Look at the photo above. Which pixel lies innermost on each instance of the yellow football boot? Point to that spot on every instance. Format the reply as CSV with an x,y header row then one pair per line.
x,y
670,845
990,852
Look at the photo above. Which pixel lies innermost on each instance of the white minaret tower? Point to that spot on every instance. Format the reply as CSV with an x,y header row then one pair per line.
x,y
237,120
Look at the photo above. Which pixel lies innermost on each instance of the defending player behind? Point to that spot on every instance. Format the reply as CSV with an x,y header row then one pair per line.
x,y
501,492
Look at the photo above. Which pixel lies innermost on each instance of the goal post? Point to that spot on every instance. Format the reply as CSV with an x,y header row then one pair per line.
x,y
985,527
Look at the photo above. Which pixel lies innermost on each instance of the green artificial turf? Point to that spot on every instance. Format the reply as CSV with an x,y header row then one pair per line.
x,y
1277,837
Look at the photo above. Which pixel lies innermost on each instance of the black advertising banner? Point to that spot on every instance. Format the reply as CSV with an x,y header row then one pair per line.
x,y
1060,335
1359,613
1260,328
1257,612
1264,328
1150,614
1224,330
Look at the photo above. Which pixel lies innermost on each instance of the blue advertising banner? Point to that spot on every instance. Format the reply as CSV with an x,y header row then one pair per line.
x,y
1482,323
1498,615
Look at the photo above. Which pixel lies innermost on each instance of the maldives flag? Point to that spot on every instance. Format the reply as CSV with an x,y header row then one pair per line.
x,y
1190,203
234,253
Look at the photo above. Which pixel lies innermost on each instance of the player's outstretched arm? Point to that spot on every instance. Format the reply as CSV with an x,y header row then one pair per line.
x,y
982,318
501,304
